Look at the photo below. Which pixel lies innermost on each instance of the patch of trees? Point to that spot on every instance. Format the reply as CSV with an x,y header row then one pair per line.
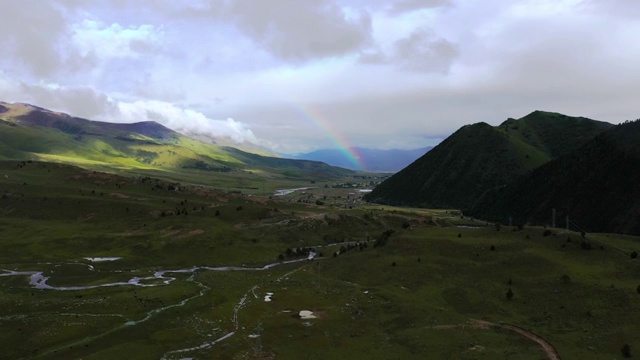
x,y
626,350
298,252
384,237
201,165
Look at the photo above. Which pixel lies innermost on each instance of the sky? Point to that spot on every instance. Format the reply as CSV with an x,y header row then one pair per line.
x,y
299,75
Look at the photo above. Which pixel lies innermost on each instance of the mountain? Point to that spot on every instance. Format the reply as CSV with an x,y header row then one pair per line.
x,y
480,157
371,159
29,132
597,186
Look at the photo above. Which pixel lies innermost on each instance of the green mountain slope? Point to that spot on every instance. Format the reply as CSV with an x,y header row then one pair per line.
x,y
479,157
32,133
597,186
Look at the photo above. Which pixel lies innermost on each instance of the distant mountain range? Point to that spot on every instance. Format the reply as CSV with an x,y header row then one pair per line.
x,y
29,132
521,169
370,159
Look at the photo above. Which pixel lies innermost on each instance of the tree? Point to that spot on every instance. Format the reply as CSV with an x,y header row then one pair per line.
x,y
634,255
626,350
509,294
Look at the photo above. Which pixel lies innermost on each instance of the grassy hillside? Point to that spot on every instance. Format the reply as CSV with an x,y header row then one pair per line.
x,y
597,186
479,157
404,283
32,133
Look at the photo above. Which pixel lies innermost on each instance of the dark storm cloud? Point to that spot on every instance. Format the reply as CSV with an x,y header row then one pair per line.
x,y
403,6
299,31
29,36
421,51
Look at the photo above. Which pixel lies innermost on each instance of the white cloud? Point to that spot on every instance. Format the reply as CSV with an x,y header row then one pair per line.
x,y
183,120
96,38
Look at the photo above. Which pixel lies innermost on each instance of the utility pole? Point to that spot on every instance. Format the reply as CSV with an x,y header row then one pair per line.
x,y
510,221
553,217
567,222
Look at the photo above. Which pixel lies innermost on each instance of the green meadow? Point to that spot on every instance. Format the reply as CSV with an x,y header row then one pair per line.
x,y
387,283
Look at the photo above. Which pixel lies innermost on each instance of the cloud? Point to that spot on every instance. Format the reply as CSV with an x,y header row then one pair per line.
x,y
300,31
421,51
88,103
184,120
30,33
96,38
405,6
78,101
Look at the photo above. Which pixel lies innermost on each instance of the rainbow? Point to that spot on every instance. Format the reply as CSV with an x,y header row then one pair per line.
x,y
323,124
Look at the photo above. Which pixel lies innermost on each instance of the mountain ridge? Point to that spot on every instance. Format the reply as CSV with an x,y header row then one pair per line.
x,y
596,186
41,134
480,157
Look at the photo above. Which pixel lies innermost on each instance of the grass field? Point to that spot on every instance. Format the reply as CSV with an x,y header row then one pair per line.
x,y
423,294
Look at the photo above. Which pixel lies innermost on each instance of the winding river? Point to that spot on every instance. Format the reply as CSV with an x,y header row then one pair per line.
x,y
38,280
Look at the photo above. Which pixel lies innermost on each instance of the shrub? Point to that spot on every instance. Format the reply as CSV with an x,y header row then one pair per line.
x,y
634,255
626,350
509,294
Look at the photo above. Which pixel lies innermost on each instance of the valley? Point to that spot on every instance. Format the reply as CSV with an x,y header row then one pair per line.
x,y
97,264
329,180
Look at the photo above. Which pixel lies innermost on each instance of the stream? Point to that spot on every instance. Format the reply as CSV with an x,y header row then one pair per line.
x,y
38,280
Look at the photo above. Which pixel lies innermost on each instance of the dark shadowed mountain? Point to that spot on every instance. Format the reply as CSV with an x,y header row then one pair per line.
x,y
597,186
481,157
371,159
